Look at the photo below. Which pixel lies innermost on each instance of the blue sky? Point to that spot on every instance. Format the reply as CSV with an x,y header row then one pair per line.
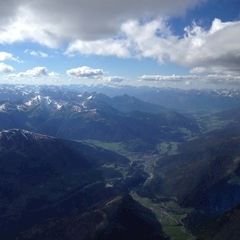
x,y
159,43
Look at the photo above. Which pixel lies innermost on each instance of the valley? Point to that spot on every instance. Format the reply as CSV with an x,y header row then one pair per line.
x,y
70,158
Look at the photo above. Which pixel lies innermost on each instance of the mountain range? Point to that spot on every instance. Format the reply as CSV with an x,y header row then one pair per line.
x,y
98,117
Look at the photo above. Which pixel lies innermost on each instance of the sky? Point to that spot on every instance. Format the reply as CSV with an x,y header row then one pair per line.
x,y
165,43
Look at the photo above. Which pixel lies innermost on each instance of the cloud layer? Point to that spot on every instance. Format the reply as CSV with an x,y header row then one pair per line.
x,y
215,79
51,22
204,51
5,68
5,56
124,29
85,72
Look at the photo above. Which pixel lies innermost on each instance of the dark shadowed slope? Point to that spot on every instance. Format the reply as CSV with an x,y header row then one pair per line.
x,y
224,227
43,177
120,218
203,175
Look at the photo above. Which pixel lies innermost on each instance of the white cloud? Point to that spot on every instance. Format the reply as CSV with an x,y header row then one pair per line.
x,y
115,79
35,73
5,68
217,79
217,47
5,56
85,72
89,73
216,50
36,53
51,22
167,78
108,47
103,28
27,26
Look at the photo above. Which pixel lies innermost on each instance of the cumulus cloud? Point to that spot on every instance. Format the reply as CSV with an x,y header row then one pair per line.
x,y
115,79
212,51
4,56
36,53
51,22
218,47
5,68
26,26
35,73
107,47
85,72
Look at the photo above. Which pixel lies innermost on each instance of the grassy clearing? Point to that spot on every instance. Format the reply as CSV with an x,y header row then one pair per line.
x,y
167,148
118,147
170,214
211,122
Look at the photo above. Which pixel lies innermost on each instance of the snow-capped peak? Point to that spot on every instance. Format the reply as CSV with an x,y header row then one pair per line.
x,y
90,97
2,107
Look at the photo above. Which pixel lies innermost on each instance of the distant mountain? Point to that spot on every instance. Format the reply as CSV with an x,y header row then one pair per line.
x,y
193,100
98,117
197,101
126,104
